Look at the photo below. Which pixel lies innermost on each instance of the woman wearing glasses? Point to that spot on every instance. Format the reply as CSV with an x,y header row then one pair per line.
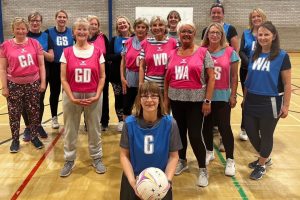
x,y
224,97
22,73
35,20
150,138
188,89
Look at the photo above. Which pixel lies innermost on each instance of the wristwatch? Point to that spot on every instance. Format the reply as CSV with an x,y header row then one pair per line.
x,y
207,101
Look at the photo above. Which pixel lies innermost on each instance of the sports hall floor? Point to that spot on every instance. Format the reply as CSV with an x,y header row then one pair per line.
x,y
34,174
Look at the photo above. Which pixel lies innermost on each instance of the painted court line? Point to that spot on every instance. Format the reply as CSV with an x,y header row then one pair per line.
x,y
234,180
36,167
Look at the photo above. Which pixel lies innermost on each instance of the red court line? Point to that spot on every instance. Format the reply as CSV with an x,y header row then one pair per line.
x,y
36,167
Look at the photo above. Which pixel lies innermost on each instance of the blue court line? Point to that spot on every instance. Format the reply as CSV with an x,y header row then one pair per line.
x,y
234,180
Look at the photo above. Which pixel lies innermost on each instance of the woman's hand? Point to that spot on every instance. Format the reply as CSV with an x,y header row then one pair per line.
x,y
89,101
5,92
124,85
42,87
232,101
206,108
284,111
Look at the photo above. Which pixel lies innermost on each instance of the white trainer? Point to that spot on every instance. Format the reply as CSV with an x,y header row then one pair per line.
x,y
210,156
120,126
203,178
55,124
230,167
243,135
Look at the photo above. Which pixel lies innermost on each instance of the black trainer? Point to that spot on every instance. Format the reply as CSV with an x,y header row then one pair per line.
x,y
258,172
26,135
42,132
37,143
15,146
253,164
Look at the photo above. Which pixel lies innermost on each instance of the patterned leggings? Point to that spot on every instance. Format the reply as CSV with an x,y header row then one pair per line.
x,y
23,96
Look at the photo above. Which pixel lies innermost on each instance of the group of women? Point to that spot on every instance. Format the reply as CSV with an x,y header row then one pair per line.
x,y
156,75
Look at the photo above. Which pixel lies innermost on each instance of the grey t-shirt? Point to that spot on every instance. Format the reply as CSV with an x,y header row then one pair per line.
x,y
175,141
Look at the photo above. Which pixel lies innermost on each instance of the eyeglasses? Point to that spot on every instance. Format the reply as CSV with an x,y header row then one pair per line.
x,y
34,20
217,33
151,96
189,32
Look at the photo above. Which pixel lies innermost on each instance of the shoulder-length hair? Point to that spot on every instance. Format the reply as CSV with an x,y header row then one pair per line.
x,y
173,12
260,12
129,23
275,46
145,89
90,18
223,41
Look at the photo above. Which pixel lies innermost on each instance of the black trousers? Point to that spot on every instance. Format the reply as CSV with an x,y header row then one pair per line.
x,y
220,114
243,75
55,87
189,118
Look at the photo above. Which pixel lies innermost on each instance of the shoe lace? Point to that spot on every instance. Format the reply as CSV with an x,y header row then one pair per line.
x,y
203,173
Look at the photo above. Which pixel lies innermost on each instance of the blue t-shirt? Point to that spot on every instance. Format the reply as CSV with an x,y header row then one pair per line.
x,y
264,76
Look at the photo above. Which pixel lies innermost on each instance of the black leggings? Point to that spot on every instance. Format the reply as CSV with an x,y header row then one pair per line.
x,y
243,75
105,105
189,117
55,87
220,113
127,192
129,99
260,132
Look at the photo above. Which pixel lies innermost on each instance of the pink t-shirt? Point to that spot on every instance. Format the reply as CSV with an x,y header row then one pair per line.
x,y
100,43
22,59
222,69
131,56
156,56
184,72
83,74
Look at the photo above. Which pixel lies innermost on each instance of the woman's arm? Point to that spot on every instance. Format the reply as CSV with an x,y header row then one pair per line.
x,y
127,167
49,55
42,73
166,98
234,83
123,72
65,84
142,71
206,108
234,41
172,163
3,76
286,79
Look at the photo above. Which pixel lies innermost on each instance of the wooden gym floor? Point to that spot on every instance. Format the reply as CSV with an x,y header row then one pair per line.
x,y
34,174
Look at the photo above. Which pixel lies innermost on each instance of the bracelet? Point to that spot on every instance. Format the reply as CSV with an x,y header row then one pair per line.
x,y
170,182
